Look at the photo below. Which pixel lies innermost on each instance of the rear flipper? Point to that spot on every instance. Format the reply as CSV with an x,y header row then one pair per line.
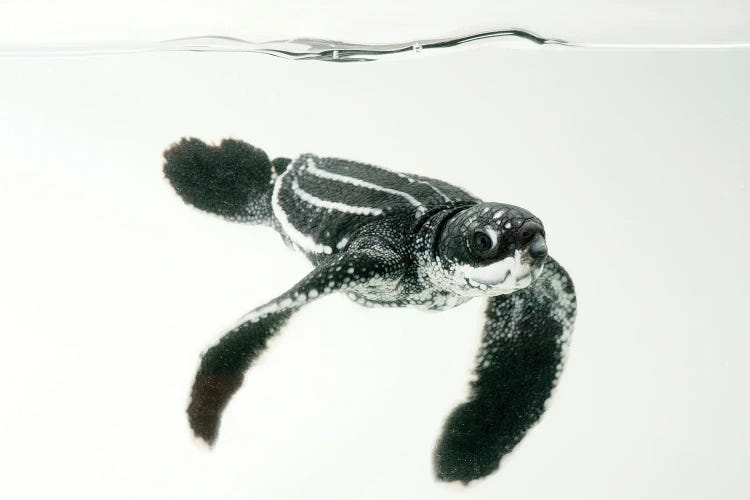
x,y
223,366
233,179
522,354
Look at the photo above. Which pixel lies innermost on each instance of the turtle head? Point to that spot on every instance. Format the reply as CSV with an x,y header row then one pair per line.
x,y
491,249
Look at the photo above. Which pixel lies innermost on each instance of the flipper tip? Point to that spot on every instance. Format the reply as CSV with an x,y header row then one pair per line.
x,y
203,443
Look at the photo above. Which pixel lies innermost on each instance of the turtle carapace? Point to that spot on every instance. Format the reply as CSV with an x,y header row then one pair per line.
x,y
391,239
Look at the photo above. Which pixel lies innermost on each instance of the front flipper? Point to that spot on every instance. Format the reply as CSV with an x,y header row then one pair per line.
x,y
224,365
519,362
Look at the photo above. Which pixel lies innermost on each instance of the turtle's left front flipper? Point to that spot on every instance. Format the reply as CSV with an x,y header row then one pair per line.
x,y
519,362
223,366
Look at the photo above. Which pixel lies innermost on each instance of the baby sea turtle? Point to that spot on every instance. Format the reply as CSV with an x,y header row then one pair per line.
x,y
391,239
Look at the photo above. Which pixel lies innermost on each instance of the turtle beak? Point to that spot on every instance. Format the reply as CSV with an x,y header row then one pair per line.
x,y
538,247
531,236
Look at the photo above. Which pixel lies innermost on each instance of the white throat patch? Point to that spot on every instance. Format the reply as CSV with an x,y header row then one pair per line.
x,y
507,275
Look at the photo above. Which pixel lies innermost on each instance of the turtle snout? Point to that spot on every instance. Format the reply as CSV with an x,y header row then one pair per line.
x,y
531,235
538,247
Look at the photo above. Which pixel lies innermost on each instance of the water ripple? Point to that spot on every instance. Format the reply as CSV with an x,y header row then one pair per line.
x,y
318,49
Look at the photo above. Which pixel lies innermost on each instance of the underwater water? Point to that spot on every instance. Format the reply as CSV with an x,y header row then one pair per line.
x,y
110,287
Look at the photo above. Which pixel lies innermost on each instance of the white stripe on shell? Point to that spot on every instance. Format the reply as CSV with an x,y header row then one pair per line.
x,y
411,180
303,241
434,188
332,205
313,169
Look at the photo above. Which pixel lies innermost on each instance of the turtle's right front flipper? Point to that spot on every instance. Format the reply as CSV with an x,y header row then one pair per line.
x,y
223,366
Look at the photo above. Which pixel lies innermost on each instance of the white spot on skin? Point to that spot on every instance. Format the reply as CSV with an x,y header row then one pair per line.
x,y
498,214
493,235
257,314
341,244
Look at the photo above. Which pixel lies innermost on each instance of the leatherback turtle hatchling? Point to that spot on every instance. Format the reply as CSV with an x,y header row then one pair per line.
x,y
390,239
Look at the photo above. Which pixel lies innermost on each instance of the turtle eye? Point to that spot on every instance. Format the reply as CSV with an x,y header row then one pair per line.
x,y
481,243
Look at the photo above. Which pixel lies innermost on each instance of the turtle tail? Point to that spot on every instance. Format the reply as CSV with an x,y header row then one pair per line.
x,y
234,179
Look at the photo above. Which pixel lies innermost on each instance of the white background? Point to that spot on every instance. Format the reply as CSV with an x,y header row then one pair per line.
x,y
110,287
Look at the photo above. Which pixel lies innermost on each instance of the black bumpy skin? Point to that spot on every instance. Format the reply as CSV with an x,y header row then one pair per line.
x,y
391,239
233,179
519,362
